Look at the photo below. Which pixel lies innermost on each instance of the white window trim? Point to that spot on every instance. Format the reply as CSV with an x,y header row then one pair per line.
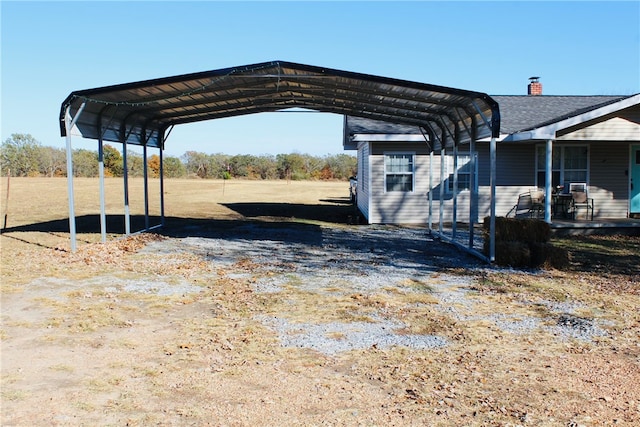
x,y
449,171
562,170
413,170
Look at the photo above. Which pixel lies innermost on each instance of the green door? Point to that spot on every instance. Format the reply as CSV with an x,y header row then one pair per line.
x,y
635,180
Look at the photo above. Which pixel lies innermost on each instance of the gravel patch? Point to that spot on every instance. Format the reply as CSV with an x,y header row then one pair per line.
x,y
336,337
114,285
569,326
517,325
367,260
160,288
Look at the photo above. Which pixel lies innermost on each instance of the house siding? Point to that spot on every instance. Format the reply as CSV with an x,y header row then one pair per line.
x,y
413,208
609,140
364,177
623,126
608,180
398,207
608,184
516,171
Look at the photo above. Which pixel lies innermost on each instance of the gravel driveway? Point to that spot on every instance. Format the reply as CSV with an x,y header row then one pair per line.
x,y
360,261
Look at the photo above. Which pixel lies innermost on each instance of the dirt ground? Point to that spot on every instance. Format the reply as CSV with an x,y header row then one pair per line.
x,y
260,305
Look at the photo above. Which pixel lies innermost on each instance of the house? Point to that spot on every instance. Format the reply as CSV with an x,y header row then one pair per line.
x,y
404,178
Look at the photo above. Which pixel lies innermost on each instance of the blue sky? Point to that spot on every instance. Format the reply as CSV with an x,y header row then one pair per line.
x,y
50,49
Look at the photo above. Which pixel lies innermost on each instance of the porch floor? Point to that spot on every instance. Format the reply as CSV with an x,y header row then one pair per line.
x,y
629,226
566,227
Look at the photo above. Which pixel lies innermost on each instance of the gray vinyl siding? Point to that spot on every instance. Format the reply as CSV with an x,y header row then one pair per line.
x,y
608,183
609,141
399,207
608,180
622,126
364,179
413,208
515,174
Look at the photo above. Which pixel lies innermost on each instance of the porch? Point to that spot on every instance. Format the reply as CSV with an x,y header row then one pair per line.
x,y
565,227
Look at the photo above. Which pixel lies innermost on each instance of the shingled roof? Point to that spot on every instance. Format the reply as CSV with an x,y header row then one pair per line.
x,y
524,112
360,125
518,113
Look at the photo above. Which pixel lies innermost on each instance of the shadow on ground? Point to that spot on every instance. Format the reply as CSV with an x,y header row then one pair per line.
x,y
616,254
340,212
262,219
282,227
285,222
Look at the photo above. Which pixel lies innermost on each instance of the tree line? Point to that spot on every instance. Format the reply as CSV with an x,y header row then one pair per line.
x,y
23,155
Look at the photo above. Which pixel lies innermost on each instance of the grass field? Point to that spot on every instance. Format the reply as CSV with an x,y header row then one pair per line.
x,y
41,204
168,329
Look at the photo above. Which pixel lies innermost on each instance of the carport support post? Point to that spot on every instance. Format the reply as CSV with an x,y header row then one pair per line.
x,y
431,189
127,219
103,215
145,173
454,221
441,213
68,124
492,220
473,192
161,184
547,181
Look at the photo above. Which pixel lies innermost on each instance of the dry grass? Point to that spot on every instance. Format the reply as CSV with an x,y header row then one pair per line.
x,y
101,355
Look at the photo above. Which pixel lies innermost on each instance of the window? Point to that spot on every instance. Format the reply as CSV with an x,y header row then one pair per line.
x,y
398,172
464,172
569,163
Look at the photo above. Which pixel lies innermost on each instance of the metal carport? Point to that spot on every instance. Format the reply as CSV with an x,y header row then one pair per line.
x,y
143,113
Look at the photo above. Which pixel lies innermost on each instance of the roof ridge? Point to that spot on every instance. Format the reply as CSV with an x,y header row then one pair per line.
x,y
565,96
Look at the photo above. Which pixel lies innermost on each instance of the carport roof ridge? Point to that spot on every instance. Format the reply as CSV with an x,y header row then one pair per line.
x,y
140,113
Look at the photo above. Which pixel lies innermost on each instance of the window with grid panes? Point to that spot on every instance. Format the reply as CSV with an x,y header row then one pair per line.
x,y
569,163
464,172
398,172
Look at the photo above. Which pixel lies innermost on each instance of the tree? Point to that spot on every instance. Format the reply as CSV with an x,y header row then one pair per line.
x,y
313,166
219,166
20,153
291,166
112,161
135,164
85,163
241,165
26,157
341,166
265,167
196,163
173,167
52,161
153,163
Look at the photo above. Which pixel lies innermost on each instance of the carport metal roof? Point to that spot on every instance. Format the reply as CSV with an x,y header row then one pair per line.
x,y
140,113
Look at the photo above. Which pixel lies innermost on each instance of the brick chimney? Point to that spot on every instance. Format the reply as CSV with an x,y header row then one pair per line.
x,y
535,87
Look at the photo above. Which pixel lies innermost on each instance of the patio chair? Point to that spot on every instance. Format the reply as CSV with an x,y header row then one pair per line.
x,y
537,202
525,208
581,200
